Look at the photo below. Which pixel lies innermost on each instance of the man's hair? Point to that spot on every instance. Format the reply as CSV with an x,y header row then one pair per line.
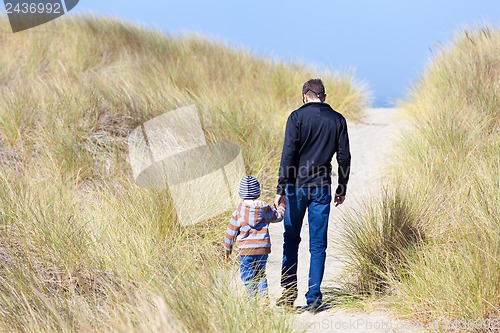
x,y
314,88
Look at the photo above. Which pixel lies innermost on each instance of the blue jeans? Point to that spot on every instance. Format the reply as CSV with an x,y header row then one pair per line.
x,y
253,274
317,201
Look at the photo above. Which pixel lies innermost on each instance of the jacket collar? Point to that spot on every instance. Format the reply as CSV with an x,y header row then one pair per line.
x,y
314,104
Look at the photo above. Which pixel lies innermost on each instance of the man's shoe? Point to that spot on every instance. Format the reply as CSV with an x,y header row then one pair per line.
x,y
312,308
287,299
306,308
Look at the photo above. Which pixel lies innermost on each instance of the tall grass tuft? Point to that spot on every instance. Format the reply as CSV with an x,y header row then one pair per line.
x,y
378,239
448,172
82,248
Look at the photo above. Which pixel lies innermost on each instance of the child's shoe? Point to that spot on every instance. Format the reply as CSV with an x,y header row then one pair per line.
x,y
264,301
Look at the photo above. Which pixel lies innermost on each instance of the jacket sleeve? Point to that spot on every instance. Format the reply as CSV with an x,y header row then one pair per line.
x,y
231,232
289,155
275,215
343,159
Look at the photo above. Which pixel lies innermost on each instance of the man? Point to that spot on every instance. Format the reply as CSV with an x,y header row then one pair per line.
x,y
314,133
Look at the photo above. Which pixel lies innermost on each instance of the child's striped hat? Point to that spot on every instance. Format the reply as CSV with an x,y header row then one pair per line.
x,y
249,188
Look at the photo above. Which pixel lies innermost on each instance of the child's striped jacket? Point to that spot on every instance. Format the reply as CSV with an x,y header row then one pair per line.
x,y
249,225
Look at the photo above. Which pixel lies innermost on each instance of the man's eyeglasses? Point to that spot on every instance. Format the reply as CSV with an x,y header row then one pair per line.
x,y
315,93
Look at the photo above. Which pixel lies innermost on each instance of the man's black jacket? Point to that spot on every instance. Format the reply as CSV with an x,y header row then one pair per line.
x,y
314,133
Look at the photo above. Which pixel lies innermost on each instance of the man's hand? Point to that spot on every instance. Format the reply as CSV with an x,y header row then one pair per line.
x,y
339,200
278,200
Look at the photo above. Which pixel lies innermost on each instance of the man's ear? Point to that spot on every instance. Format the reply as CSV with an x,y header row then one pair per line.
x,y
324,98
305,98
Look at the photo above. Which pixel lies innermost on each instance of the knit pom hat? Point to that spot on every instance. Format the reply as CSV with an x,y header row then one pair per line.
x,y
249,188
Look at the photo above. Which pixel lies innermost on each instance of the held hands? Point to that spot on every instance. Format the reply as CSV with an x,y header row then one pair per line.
x,y
279,199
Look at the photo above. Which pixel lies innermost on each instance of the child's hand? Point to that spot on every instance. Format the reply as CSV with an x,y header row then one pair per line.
x,y
228,254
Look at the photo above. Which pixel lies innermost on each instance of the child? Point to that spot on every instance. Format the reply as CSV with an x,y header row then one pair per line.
x,y
249,224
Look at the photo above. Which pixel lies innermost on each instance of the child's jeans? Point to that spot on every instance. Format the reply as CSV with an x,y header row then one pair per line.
x,y
253,274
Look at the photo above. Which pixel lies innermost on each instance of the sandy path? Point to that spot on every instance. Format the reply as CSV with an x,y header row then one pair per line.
x,y
371,143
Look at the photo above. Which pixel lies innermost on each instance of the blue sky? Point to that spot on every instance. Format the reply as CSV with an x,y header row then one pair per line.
x,y
387,43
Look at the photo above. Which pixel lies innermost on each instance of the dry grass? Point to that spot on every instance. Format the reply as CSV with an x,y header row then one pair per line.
x,y
448,174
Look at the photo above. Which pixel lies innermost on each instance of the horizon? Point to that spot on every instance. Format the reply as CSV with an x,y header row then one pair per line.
x,y
386,46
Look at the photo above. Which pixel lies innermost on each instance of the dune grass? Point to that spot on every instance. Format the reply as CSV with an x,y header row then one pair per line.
x,y
82,248
447,180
